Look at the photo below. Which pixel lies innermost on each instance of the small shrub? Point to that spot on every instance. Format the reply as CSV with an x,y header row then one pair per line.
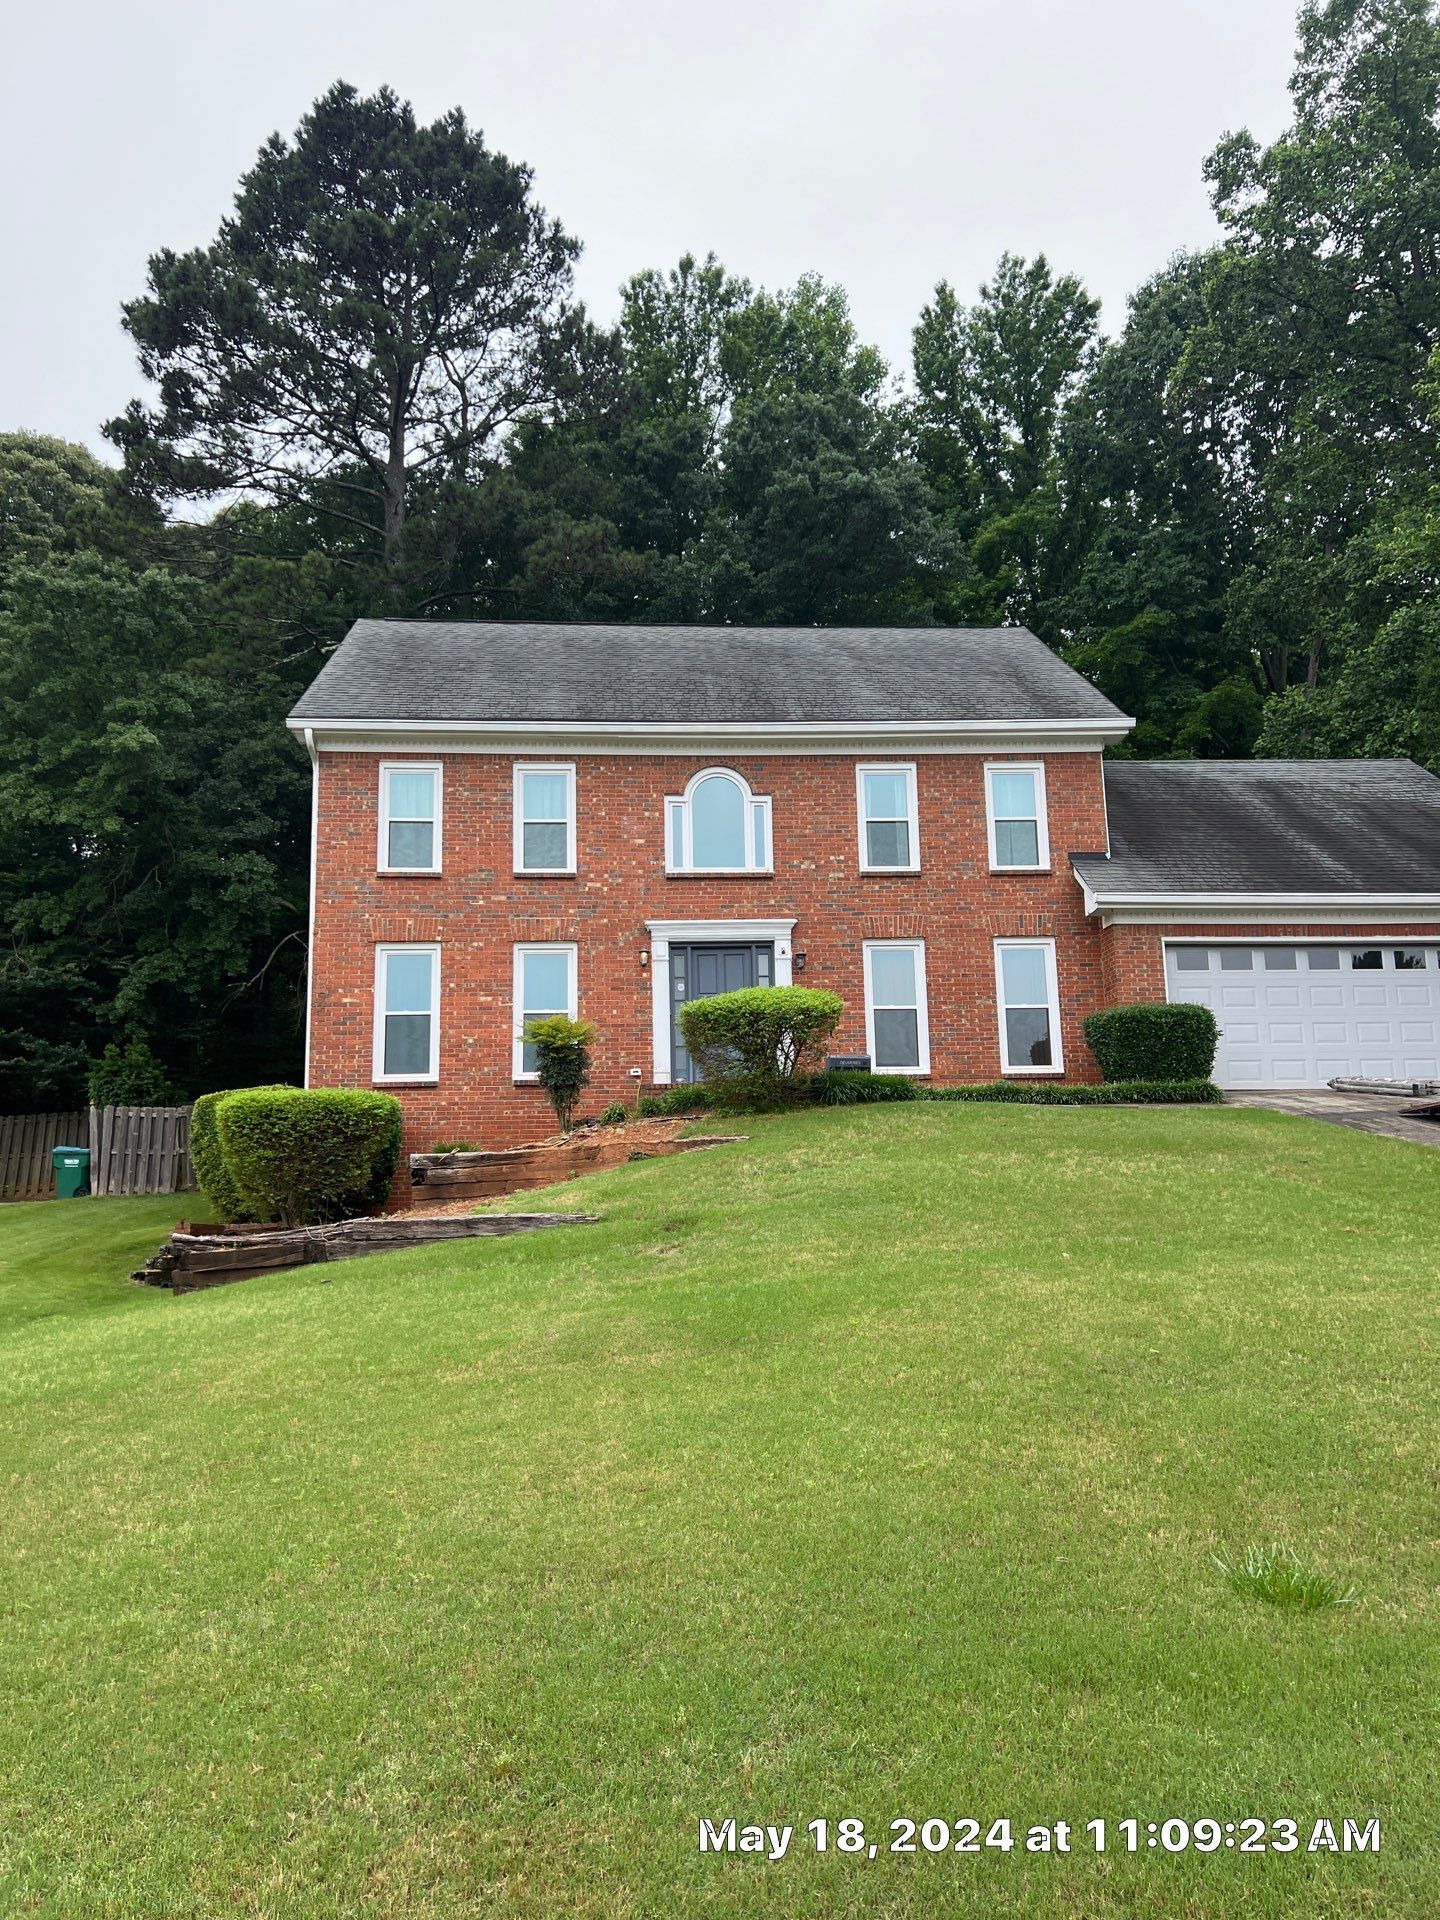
x,y
615,1115
1117,1093
456,1146
562,1060
208,1158
844,1087
303,1156
684,1098
1280,1578
131,1077
756,1046
1154,1041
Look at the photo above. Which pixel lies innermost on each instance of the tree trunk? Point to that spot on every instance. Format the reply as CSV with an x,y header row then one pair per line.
x,y
395,475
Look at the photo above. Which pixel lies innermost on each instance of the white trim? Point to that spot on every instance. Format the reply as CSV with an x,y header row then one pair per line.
x,y
377,1040
359,734
517,993
775,933
1299,939
749,802
314,857
566,768
1052,987
1148,909
922,1003
1042,815
912,813
382,837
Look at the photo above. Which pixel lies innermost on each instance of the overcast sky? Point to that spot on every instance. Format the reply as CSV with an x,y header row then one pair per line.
x,y
881,143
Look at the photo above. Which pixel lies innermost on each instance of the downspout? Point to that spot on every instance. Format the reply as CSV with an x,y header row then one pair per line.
x,y
310,748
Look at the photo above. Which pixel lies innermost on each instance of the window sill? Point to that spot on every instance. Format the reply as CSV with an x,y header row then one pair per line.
x,y
903,872
719,873
1044,869
545,873
409,873
1032,1073
910,1073
391,1081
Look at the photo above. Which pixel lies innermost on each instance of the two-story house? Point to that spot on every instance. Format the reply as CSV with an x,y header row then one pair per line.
x,y
519,819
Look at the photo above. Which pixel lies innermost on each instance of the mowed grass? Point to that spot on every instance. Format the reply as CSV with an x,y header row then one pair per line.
x,y
873,1468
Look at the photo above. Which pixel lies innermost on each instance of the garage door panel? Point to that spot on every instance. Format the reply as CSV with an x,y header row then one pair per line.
x,y
1300,1026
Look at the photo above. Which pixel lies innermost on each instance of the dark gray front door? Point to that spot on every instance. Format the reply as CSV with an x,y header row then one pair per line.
x,y
697,972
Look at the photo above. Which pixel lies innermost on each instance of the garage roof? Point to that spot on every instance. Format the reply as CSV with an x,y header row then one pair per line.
x,y
443,670
1267,827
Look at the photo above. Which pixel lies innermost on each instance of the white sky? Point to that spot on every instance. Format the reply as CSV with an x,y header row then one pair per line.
x,y
881,143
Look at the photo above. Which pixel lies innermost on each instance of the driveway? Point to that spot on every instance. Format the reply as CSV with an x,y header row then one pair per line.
x,y
1386,1113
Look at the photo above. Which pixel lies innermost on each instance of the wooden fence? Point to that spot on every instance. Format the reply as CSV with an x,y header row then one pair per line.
x,y
26,1142
132,1150
140,1150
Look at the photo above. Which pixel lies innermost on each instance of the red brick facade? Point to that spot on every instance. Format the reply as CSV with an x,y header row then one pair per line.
x,y
478,909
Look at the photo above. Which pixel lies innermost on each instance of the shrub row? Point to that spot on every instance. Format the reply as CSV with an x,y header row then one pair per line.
x,y
295,1155
1114,1093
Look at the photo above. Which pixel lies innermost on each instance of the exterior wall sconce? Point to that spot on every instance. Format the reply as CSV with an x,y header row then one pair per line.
x,y
799,963
644,956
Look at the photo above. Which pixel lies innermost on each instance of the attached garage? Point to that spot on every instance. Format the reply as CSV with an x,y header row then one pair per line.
x,y
1298,1014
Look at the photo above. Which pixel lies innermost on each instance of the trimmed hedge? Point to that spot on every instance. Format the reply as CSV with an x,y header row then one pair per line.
x,y
758,1043
208,1158
1154,1041
1115,1093
303,1156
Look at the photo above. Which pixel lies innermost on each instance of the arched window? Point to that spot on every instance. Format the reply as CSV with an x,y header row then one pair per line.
x,y
717,826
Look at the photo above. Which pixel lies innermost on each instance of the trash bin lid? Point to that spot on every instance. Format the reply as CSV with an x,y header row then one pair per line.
x,y
69,1156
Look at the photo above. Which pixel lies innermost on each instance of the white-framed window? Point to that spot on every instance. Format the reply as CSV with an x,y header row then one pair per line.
x,y
407,1013
410,796
717,826
545,983
1028,995
889,818
544,817
1015,815
897,1017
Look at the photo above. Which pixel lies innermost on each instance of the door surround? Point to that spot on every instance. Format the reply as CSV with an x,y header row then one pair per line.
x,y
775,933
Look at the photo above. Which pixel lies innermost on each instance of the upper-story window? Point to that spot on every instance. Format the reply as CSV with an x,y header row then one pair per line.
x,y
717,826
544,817
889,818
409,817
1015,810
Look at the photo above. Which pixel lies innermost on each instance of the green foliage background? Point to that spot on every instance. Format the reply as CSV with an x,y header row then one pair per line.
x,y
1227,515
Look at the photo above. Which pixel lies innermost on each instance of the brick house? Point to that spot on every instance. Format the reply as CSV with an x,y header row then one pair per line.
x,y
516,819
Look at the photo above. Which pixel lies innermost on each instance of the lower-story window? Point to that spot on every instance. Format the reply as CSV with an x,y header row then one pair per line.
x,y
407,1009
1029,1006
544,984
897,1022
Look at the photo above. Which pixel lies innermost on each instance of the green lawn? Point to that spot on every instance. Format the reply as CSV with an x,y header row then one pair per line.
x,y
870,1469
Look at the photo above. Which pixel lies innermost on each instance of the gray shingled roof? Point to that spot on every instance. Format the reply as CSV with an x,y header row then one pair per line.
x,y
492,670
1268,826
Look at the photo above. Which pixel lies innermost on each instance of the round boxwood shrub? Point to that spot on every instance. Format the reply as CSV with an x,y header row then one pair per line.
x,y
208,1158
1154,1041
758,1043
306,1155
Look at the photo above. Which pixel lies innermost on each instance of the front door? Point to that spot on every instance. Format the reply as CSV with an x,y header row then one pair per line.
x,y
697,972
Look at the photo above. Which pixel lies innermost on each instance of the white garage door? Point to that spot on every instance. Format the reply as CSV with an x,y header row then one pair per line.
x,y
1293,1016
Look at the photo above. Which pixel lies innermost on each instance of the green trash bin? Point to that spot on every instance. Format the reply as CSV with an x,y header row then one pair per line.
x,y
72,1171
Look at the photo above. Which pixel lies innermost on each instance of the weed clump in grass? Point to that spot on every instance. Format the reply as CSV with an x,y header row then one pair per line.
x,y
1279,1577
